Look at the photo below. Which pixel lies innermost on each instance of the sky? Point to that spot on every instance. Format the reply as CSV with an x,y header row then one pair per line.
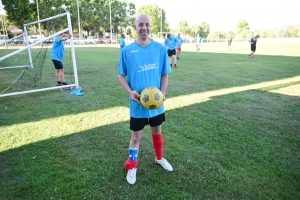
x,y
224,15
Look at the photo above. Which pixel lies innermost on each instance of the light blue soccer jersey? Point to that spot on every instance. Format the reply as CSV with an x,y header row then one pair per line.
x,y
144,67
58,49
171,43
179,42
198,40
122,43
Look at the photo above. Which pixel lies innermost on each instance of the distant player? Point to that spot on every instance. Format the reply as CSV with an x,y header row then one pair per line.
x,y
122,42
178,47
229,40
253,41
198,43
57,55
170,43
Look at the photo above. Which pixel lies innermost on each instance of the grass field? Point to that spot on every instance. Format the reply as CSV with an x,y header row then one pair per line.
x,y
231,131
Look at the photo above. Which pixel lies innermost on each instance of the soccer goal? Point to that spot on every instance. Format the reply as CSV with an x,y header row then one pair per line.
x,y
161,36
27,67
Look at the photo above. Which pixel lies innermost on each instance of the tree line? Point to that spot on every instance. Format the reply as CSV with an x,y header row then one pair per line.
x,y
95,19
94,15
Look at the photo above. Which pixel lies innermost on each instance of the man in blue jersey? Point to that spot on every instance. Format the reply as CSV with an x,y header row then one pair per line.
x,y
122,42
144,63
198,43
57,55
178,47
170,43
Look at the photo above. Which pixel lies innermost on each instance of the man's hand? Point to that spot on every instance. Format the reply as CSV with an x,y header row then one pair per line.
x,y
135,96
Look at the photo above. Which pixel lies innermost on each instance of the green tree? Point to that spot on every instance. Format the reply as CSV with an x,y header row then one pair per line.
x,y
127,19
7,25
292,32
128,31
218,35
262,34
94,14
242,28
281,32
134,34
271,34
195,30
231,33
202,29
157,15
184,28
20,12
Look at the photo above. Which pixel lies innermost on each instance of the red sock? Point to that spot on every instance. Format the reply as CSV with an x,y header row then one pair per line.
x,y
158,144
130,164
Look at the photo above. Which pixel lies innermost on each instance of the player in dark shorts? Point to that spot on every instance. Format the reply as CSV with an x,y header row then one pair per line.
x,y
170,43
171,52
229,42
253,41
57,55
154,72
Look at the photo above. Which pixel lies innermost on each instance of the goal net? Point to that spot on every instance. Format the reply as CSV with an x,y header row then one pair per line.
x,y
26,65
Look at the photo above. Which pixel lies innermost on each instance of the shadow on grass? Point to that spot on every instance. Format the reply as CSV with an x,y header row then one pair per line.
x,y
98,77
235,146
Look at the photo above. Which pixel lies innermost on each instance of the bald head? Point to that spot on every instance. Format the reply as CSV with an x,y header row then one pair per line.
x,y
143,28
143,18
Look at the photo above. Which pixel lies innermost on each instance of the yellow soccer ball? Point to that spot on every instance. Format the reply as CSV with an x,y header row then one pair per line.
x,y
151,98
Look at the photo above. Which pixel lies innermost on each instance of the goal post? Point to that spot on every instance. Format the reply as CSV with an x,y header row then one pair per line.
x,y
28,65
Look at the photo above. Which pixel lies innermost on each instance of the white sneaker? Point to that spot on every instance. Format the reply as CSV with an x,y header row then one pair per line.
x,y
131,176
165,164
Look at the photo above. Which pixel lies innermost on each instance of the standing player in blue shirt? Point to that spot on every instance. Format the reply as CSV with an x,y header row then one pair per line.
x,y
57,55
122,42
144,63
178,47
170,43
198,43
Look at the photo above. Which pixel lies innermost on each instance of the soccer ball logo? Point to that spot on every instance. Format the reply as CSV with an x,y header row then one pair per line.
x,y
151,98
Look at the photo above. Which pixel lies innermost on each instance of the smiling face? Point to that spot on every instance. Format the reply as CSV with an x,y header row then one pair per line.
x,y
143,27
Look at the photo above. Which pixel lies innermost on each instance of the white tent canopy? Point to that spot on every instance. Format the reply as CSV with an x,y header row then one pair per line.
x,y
15,30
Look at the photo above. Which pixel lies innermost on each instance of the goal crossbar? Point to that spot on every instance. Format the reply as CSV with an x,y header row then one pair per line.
x,y
47,19
33,44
